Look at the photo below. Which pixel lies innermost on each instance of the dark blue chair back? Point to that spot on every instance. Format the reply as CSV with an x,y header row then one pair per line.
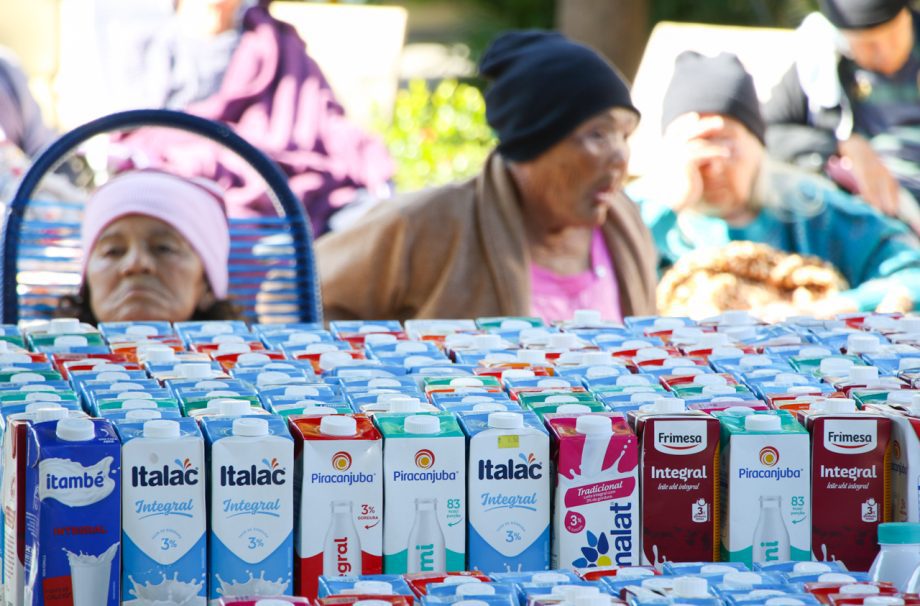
x,y
272,269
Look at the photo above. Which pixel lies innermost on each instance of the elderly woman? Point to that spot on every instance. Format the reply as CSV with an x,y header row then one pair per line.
x,y
544,229
155,247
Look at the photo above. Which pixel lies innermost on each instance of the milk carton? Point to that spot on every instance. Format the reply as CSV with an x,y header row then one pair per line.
x,y
680,483
766,483
251,506
424,465
509,480
596,515
340,499
905,461
164,513
73,521
851,495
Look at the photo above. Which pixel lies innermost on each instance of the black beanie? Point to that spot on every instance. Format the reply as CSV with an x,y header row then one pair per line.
x,y
543,86
714,85
861,14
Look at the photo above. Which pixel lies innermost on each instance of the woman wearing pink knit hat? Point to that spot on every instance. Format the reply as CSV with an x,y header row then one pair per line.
x,y
155,247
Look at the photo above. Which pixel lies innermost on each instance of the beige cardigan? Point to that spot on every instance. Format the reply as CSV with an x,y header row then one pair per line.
x,y
459,251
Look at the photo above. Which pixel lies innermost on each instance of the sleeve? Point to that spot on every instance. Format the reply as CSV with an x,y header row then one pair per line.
x,y
363,269
894,262
790,133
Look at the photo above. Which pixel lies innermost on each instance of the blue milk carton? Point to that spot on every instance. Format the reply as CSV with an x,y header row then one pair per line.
x,y
509,481
163,512
73,518
251,506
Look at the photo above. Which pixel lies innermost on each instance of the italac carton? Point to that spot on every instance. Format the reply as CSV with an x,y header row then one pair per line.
x,y
424,466
73,522
250,506
596,491
679,467
851,458
164,529
509,485
339,496
905,459
766,483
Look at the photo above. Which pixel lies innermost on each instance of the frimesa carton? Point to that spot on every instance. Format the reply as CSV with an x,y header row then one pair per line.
x,y
905,460
73,520
424,465
766,480
679,463
251,506
509,483
596,514
851,496
164,529
339,496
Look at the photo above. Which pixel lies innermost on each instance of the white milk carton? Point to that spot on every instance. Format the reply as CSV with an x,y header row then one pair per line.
x,y
424,466
766,481
164,529
905,460
73,522
509,482
596,515
14,497
251,506
339,492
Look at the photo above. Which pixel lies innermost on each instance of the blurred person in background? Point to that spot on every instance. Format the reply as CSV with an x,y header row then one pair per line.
x,y
231,61
21,119
851,102
543,229
714,184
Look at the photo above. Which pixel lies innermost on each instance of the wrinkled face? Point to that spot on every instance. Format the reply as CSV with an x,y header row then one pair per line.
x,y
142,269
883,48
574,182
733,158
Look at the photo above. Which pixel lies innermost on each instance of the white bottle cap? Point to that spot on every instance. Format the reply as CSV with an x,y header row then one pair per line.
x,y
836,577
572,409
73,429
230,348
27,377
597,358
194,370
593,425
161,428
531,356
765,593
634,573
228,407
380,339
709,379
42,405
586,317
548,576
561,399
422,424
13,358
736,317
553,383
143,414
489,407
338,425
517,373
466,382
709,340
460,579
591,600
835,366
883,600
644,396
159,354
718,390
661,584
250,427
136,403
909,324
49,413
59,326
859,589
42,396
596,372
227,339
691,587
716,569
668,405
762,423
487,341
863,374
839,405
810,567
860,344
738,411
742,579
331,359
668,324
475,589
506,420
402,403
651,353
790,378
570,592
371,587
320,348
252,358
754,360
784,602
562,340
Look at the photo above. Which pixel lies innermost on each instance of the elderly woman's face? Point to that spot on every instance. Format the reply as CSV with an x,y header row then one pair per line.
x,y
143,269
575,181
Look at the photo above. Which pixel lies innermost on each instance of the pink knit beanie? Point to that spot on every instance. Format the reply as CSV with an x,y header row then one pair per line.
x,y
193,207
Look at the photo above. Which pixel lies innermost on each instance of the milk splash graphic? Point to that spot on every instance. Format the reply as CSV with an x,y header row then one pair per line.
x,y
252,586
89,576
168,591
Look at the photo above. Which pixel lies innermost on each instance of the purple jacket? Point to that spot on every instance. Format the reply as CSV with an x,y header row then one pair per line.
x,y
276,97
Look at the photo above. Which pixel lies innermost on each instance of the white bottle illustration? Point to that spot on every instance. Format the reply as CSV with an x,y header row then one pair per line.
x,y
771,539
597,431
426,551
342,547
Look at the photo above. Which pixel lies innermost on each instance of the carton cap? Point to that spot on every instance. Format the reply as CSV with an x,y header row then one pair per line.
x,y
135,403
562,340
789,378
460,579
573,409
596,372
735,317
835,366
816,404
813,351
380,339
531,356
883,600
338,425
161,428
194,370
908,324
651,353
303,338
466,382
591,600
548,576
42,396
159,354
859,589
59,326
506,420
839,405
658,583
475,589
860,344
552,383
320,347
688,371
570,592
27,377
784,602
754,360
517,373
836,577
227,339
489,407
863,374
804,389
687,333
229,407
561,399
225,348
593,425
586,317
669,405
42,405
742,579
13,358
709,379
407,347
739,411
250,427
330,359
252,358
716,569
762,423
371,587
717,390
691,587
668,324
142,414
678,363
216,328
644,396
514,324
71,429
908,363
710,340
634,573
405,404
299,391
597,358
487,341
422,424
727,351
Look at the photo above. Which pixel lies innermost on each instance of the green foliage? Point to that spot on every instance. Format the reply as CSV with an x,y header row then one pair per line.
x,y
437,136
764,13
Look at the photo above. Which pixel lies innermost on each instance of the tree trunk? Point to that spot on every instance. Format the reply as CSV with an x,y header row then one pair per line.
x,y
618,29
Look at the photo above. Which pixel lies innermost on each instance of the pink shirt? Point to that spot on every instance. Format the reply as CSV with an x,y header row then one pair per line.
x,y
556,297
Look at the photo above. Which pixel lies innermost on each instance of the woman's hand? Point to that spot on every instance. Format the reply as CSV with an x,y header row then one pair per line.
x,y
875,182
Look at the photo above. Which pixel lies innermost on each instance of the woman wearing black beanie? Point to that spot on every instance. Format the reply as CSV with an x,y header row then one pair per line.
x,y
543,230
